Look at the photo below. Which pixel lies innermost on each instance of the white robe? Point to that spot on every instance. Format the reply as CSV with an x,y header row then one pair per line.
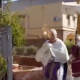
x,y
57,49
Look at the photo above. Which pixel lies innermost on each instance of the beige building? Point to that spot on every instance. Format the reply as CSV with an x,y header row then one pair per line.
x,y
57,14
54,15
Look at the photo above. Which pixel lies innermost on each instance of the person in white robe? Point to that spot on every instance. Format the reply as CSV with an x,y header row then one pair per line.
x,y
53,54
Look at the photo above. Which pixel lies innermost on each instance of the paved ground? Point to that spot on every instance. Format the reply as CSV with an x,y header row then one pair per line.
x,y
69,75
77,78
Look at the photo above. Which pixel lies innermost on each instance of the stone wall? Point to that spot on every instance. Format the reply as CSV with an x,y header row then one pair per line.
x,y
27,61
34,74
29,69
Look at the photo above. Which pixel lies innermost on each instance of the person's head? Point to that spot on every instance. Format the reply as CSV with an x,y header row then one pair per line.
x,y
52,35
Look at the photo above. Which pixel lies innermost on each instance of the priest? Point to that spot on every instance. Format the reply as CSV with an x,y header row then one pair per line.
x,y
53,54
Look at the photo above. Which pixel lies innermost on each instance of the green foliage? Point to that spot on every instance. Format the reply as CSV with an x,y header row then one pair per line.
x,y
17,32
31,50
3,67
13,20
25,51
22,50
14,51
69,44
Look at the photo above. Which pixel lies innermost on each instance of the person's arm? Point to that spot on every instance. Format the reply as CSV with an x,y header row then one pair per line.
x,y
41,51
72,58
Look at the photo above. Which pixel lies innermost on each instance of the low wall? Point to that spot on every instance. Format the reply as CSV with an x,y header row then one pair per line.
x,y
33,74
24,60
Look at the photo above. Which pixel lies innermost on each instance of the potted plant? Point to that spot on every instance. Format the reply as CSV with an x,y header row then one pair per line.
x,y
3,67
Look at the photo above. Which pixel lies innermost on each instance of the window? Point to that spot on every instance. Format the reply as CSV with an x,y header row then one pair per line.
x,y
56,19
73,18
68,18
22,16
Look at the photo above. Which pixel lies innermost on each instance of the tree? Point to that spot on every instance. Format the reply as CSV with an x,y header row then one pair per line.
x,y
17,31
13,20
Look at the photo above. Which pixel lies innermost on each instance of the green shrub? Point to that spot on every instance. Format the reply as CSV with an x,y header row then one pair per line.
x,y
3,67
69,44
14,52
31,50
25,51
19,50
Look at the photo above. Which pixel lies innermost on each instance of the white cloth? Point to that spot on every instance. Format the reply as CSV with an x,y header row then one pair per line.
x,y
78,43
69,73
60,51
43,54
76,78
60,73
57,49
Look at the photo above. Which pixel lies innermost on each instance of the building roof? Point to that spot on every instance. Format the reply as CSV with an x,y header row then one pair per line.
x,y
21,4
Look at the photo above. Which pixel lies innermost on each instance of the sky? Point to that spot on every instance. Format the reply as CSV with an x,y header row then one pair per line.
x,y
11,0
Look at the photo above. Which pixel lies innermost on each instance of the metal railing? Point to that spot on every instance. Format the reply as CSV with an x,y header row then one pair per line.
x,y
6,51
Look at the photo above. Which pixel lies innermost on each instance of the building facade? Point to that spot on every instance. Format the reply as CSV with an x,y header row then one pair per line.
x,y
54,13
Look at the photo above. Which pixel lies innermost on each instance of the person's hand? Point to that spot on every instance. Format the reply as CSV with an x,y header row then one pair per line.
x,y
71,58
